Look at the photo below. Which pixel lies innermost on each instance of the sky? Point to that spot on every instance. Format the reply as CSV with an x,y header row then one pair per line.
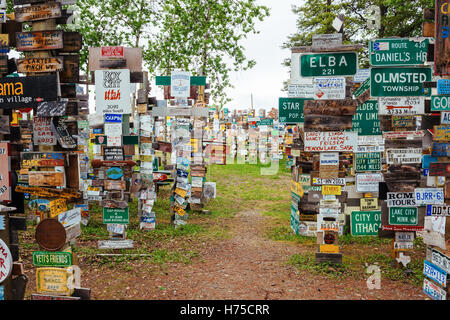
x,y
265,80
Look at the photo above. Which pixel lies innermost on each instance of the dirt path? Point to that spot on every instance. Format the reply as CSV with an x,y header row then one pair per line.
x,y
249,266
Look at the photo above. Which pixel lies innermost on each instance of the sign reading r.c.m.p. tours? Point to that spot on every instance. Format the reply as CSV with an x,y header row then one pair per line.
x,y
24,92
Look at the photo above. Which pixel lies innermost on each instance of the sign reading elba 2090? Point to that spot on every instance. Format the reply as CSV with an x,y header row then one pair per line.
x,y
398,82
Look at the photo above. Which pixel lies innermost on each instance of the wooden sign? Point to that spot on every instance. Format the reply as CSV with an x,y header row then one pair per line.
x,y
115,185
23,92
328,248
64,138
72,42
55,280
439,169
114,173
115,244
113,153
330,141
42,132
52,259
369,204
403,122
37,12
46,179
345,107
57,206
42,159
440,149
441,133
52,108
442,43
71,70
50,235
39,40
327,123
5,172
49,193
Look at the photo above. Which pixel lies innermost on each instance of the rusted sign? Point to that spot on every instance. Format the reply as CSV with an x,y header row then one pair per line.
x,y
73,42
45,178
71,71
440,169
49,193
345,107
115,185
442,43
39,40
42,11
37,65
50,235
57,206
441,133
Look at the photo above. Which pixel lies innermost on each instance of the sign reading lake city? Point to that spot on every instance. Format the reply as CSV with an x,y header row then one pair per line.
x,y
403,216
328,64
398,52
112,91
398,82
290,110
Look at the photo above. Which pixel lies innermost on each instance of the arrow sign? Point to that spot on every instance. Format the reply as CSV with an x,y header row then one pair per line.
x,y
398,107
391,106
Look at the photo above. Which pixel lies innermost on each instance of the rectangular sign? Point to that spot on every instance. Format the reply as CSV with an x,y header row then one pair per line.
x,y
328,64
439,169
433,290
435,273
331,190
57,206
401,199
37,65
440,103
398,52
404,237
70,217
398,82
367,161
368,182
368,204
112,52
116,215
112,91
424,196
441,133
330,141
329,88
365,223
42,11
52,259
332,182
290,110
441,47
439,149
366,121
445,117
329,158
301,90
438,259
400,106
42,132
443,86
436,210
404,156
403,216
39,40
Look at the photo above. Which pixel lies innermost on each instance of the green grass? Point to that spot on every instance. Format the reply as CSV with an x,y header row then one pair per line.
x,y
306,262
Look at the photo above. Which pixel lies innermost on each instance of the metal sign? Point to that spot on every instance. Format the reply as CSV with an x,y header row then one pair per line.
x,y
365,223
367,161
440,103
403,216
436,210
401,199
366,121
6,264
443,86
328,64
368,204
180,84
424,196
116,216
301,90
404,156
52,259
42,11
368,182
112,91
438,259
39,40
399,106
333,182
398,52
435,273
329,88
398,82
434,291
290,110
440,149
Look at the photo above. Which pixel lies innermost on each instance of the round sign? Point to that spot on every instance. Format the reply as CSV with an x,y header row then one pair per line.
x,y
6,262
329,238
50,235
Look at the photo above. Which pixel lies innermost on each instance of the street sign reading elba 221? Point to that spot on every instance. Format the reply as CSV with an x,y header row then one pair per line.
x,y
328,64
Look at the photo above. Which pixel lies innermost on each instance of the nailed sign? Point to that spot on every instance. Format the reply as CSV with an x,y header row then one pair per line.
x,y
290,110
366,121
368,182
404,156
52,259
440,103
398,106
403,216
116,215
368,204
398,82
39,40
365,223
435,273
440,149
367,161
37,65
401,199
439,169
52,108
330,141
112,90
433,290
442,44
42,11
398,52
441,133
424,196
43,132
328,64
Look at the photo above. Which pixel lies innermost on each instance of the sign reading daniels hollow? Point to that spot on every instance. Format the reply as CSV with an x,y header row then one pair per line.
x,y
27,92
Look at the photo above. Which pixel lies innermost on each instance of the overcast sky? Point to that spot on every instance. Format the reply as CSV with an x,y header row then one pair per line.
x,y
265,80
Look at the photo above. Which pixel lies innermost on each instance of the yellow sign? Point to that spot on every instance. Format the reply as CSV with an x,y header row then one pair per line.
x,y
179,211
331,190
329,248
297,188
368,204
59,281
57,206
181,192
441,133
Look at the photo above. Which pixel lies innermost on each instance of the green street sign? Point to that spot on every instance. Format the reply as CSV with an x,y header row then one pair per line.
x,y
440,103
116,216
367,161
295,220
403,216
328,64
366,121
365,223
398,52
290,110
52,259
398,82
362,88
166,81
265,122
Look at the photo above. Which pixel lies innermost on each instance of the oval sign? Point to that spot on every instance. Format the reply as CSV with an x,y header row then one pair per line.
x,y
50,235
114,173
5,261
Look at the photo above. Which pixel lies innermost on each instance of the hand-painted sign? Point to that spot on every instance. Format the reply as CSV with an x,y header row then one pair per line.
x,y
52,259
401,199
365,223
52,108
424,196
290,110
441,133
5,172
6,262
398,82
368,204
112,89
439,169
39,40
367,161
404,156
440,149
116,215
42,11
55,280
328,64
435,273
38,65
330,141
114,173
403,216
64,138
398,52
42,132
366,121
57,206
401,105
24,92
434,291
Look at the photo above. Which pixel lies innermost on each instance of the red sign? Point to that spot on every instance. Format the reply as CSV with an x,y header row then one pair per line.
x,y
112,52
402,228
439,169
5,169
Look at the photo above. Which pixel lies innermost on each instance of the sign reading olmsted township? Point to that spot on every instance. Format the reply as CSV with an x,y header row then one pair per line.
x,y
398,52
24,92
398,82
290,110
328,64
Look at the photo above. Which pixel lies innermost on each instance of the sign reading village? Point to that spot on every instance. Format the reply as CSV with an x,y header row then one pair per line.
x,y
27,92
